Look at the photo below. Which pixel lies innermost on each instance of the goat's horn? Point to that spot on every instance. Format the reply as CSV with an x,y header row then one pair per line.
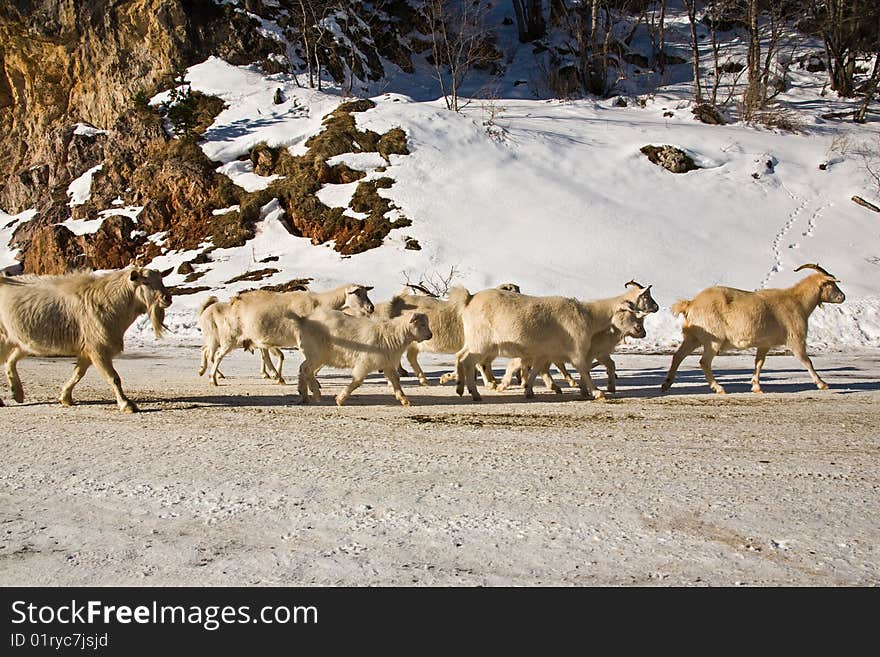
x,y
633,282
815,266
421,288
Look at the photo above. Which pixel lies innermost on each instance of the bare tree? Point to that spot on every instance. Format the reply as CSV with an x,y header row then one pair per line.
x,y
870,90
309,20
691,6
459,42
530,23
848,28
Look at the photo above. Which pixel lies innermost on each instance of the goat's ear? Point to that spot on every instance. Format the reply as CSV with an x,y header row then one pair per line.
x,y
135,274
165,272
368,287
646,290
626,306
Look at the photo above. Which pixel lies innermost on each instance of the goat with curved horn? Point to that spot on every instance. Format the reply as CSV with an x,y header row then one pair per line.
x,y
815,266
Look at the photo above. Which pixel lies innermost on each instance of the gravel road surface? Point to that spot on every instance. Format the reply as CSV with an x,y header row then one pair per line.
x,y
240,485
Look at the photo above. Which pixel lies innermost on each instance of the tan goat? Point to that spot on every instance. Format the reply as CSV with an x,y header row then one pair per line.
x,y
259,319
82,315
540,330
330,337
604,343
721,318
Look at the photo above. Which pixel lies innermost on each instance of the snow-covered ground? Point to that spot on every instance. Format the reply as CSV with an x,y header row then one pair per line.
x,y
556,196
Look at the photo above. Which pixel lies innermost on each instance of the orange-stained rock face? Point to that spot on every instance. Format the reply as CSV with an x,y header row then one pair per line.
x,y
95,62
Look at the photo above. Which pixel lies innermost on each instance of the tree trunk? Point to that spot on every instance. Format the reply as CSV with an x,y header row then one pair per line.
x,y
862,114
695,46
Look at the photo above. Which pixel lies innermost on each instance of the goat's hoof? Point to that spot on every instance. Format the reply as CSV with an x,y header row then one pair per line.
x,y
530,394
201,372
612,389
423,382
555,388
404,402
64,401
666,386
18,396
303,400
282,382
1,403
459,390
720,391
757,390
340,400
129,407
477,398
822,385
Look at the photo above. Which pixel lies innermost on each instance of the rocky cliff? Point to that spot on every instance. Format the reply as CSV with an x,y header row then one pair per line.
x,y
74,79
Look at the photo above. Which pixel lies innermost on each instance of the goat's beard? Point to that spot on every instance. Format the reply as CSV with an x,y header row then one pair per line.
x,y
157,318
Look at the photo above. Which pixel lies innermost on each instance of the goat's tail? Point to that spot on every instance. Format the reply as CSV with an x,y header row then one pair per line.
x,y
460,297
681,307
210,301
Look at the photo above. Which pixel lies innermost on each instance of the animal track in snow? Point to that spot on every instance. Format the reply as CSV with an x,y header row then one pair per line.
x,y
780,236
811,224
786,227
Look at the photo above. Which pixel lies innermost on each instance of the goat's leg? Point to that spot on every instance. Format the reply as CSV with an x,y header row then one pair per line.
x,y
709,351
79,370
307,381
529,382
104,364
799,349
203,367
611,370
280,355
563,370
760,355
587,386
394,380
267,369
512,367
218,356
15,354
357,378
467,374
488,375
412,355
547,378
684,350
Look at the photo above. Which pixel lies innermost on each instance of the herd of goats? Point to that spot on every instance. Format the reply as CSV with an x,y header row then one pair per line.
x,y
86,316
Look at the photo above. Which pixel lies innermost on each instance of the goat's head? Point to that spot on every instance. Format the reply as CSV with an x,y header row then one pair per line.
x,y
828,290
629,320
151,291
418,324
510,287
644,301
356,299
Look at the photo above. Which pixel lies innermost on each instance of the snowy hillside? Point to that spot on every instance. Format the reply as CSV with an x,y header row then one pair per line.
x,y
555,196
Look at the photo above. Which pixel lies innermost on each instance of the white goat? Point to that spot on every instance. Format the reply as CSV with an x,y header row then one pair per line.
x,y
445,320
82,315
604,343
329,337
257,319
726,318
540,330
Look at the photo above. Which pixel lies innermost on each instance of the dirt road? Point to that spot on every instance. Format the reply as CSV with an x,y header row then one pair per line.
x,y
238,485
